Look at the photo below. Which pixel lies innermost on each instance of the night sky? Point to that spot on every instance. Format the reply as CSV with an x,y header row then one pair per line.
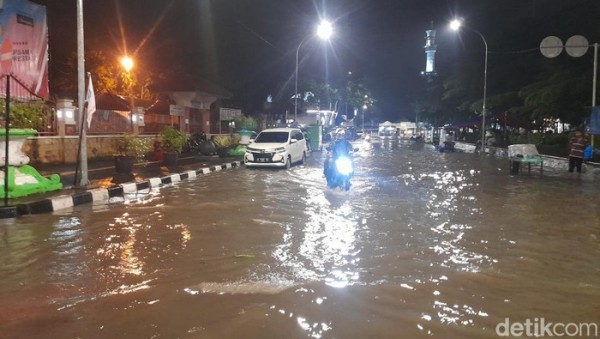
x,y
249,46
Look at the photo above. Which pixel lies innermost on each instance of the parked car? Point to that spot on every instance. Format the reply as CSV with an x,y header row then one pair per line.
x,y
276,147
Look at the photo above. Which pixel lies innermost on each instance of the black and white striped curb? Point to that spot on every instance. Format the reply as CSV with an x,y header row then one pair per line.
x,y
105,194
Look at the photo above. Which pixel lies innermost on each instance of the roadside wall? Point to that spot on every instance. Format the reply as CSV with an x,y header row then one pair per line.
x,y
63,150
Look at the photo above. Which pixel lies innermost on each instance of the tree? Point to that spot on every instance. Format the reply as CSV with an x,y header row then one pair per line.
x,y
356,95
352,96
560,93
321,95
245,122
108,76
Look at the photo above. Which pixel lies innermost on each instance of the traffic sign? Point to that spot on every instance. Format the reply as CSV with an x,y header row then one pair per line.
x,y
551,47
577,46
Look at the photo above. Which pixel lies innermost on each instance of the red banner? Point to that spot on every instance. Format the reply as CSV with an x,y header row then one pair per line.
x,y
24,47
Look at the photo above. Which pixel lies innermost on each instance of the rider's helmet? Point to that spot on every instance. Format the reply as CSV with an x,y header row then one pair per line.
x,y
340,134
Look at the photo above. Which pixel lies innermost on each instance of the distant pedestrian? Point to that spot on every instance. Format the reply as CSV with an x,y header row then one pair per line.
x,y
576,154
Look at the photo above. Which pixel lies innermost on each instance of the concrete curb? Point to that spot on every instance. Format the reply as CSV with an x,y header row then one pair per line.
x,y
105,194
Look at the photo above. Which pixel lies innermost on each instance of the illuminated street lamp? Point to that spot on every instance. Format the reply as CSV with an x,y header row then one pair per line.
x,y
324,31
127,63
455,25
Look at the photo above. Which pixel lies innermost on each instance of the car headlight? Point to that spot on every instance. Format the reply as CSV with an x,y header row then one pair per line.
x,y
279,150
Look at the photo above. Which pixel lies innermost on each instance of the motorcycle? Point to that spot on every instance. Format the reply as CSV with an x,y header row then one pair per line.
x,y
338,172
194,143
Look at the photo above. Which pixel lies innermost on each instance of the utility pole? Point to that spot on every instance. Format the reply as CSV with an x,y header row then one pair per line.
x,y
84,181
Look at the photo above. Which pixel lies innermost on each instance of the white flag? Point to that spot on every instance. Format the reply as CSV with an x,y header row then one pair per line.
x,y
90,98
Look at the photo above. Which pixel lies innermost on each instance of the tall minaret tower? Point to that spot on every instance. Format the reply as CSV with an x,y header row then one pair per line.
x,y
430,48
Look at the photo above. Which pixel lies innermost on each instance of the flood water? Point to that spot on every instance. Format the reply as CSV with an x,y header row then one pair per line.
x,y
424,244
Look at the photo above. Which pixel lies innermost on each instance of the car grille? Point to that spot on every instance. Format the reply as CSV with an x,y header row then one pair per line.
x,y
263,157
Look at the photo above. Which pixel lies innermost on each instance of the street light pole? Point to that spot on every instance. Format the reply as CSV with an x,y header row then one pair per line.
x,y
324,31
83,160
483,111
296,86
364,108
455,25
127,63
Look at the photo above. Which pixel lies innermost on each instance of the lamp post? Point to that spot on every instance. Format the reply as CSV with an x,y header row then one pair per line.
x,y
366,102
455,25
324,31
364,108
127,63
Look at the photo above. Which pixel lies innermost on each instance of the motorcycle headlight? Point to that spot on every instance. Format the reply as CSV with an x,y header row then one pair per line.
x,y
344,165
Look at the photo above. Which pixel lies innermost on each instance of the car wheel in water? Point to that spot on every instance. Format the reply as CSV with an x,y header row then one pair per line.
x,y
288,162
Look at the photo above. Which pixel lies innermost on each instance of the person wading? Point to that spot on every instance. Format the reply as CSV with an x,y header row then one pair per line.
x,y
576,154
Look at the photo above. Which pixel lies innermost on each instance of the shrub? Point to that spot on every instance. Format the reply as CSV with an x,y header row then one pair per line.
x,y
223,141
135,146
24,115
172,140
244,122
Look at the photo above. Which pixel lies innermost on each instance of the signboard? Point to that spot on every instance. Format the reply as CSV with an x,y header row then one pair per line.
x,y
176,110
24,45
229,113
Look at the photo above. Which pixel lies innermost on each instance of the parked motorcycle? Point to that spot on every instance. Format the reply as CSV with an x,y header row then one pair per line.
x,y
193,144
199,144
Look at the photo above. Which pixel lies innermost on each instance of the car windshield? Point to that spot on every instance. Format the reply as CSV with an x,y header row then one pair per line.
x,y
278,137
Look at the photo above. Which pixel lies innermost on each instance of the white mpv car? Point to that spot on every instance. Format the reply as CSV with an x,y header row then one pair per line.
x,y
276,147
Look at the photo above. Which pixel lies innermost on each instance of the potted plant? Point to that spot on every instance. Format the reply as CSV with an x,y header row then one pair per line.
x,y
130,149
172,142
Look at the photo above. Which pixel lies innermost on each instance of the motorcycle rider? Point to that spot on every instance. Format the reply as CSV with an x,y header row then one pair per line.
x,y
338,147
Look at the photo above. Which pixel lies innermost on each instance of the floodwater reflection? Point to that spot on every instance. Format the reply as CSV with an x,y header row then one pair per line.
x,y
424,244
327,251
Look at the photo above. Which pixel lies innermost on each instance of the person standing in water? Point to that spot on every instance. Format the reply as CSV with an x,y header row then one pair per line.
x,y
576,154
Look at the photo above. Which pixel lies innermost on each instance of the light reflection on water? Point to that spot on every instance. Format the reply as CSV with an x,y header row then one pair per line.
x,y
424,243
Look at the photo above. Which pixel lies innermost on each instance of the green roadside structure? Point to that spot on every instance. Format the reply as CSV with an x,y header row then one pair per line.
x,y
17,178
